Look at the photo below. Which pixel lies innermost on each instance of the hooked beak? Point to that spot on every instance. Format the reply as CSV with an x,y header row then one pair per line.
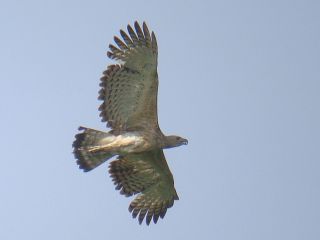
x,y
185,142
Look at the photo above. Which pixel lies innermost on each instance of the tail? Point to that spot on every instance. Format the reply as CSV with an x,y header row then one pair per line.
x,y
85,141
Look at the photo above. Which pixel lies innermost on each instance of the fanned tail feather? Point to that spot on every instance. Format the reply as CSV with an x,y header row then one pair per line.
x,y
86,141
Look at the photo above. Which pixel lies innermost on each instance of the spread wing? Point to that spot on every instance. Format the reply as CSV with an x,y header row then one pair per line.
x,y
148,174
129,90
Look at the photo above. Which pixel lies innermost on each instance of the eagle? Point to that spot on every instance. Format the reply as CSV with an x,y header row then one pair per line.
x,y
129,106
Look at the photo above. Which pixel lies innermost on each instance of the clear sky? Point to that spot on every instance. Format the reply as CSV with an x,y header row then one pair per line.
x,y
239,79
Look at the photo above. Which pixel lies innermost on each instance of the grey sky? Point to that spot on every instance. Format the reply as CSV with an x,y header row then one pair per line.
x,y
239,79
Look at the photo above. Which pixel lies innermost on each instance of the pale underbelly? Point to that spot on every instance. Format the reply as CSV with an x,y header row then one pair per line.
x,y
125,143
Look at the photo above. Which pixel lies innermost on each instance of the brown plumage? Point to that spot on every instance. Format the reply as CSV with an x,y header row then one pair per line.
x,y
129,94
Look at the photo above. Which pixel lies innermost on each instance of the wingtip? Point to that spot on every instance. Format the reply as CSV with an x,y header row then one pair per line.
x,y
128,26
135,212
148,219
145,27
81,128
163,212
155,218
153,35
140,219
130,208
109,54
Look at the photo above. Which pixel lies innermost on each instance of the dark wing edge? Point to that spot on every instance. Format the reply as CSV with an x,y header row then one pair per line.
x,y
129,89
146,174
140,38
104,96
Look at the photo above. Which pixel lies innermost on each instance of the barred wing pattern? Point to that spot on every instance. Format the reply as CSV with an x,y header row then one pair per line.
x,y
129,93
129,90
148,174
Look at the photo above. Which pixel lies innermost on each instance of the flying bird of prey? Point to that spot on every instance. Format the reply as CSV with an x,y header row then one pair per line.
x,y
129,94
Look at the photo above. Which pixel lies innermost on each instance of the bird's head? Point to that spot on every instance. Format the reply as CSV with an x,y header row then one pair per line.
x,y
175,141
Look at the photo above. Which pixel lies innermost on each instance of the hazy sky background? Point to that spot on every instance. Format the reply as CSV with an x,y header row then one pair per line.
x,y
239,79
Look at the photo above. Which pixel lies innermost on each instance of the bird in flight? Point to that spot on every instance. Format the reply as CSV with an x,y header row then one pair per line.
x,y
129,106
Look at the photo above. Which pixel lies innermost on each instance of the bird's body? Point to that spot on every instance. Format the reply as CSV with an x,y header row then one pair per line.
x,y
129,142
129,95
